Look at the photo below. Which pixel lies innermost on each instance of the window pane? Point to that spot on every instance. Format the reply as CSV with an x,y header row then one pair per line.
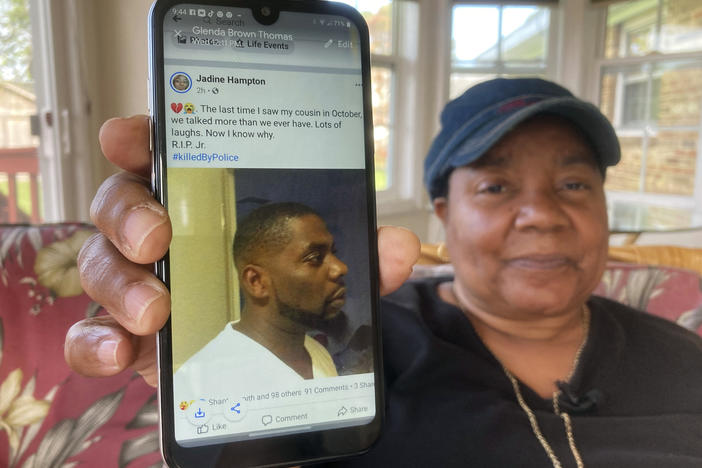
x,y
674,98
495,41
474,34
657,111
635,101
625,176
680,94
627,216
656,107
381,79
625,96
631,28
681,28
19,162
670,163
379,15
524,33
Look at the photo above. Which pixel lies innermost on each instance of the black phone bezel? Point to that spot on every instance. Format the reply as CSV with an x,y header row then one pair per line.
x,y
283,450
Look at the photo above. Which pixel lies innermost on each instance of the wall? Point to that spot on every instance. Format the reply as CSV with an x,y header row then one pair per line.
x,y
116,51
205,288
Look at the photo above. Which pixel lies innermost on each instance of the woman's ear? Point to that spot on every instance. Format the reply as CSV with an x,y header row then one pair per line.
x,y
441,208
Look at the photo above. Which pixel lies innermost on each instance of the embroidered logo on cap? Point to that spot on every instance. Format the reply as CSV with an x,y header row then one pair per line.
x,y
517,104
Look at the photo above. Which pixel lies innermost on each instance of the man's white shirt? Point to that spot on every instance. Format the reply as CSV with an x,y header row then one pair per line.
x,y
232,362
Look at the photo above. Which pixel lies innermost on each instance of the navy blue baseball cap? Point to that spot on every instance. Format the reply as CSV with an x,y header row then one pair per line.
x,y
472,123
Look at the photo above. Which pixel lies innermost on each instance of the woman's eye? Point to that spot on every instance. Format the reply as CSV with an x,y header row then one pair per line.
x,y
493,188
574,186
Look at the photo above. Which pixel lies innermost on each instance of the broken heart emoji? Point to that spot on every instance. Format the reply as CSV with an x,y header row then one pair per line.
x,y
177,107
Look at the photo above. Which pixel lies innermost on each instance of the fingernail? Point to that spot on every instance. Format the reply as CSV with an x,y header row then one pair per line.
x,y
138,298
107,353
139,223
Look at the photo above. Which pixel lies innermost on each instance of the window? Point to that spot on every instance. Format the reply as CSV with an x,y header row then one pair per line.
x,y
636,110
650,78
19,161
397,101
46,166
501,39
381,18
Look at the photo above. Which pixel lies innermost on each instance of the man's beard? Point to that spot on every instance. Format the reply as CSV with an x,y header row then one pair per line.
x,y
314,321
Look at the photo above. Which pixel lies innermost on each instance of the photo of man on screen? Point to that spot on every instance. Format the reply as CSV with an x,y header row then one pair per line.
x,y
291,283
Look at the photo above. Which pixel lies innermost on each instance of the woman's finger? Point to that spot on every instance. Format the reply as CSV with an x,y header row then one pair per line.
x,y
398,251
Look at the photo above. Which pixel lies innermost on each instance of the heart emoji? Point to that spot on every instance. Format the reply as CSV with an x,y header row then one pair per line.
x,y
176,107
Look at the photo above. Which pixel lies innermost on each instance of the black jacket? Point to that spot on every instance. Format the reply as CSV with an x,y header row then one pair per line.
x,y
637,393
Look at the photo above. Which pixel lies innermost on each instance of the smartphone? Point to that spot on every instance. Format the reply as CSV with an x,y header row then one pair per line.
x,y
263,156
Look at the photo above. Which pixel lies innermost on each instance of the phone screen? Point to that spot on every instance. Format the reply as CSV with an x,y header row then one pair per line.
x,y
264,161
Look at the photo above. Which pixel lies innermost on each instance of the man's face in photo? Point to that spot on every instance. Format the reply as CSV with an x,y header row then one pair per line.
x,y
306,276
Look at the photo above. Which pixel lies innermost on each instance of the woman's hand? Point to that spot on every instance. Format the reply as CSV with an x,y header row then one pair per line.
x,y
135,231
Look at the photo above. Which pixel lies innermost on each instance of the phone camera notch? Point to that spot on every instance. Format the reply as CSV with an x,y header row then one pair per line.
x,y
266,14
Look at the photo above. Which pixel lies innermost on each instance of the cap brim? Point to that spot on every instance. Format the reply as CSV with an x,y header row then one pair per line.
x,y
583,115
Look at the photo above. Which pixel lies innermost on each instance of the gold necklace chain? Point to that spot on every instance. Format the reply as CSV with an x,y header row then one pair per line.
x,y
564,416
556,409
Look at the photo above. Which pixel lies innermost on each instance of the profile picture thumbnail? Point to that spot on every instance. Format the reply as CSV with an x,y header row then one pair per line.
x,y
181,82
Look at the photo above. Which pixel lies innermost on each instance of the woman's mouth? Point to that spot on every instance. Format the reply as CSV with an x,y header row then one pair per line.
x,y
543,262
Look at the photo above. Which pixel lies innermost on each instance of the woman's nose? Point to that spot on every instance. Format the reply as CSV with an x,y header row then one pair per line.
x,y
540,209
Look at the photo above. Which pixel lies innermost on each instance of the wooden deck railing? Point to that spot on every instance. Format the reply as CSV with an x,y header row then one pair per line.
x,y
12,162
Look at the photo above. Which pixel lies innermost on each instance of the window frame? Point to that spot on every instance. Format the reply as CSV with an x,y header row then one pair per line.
x,y
390,62
405,150
422,90
602,64
66,151
500,69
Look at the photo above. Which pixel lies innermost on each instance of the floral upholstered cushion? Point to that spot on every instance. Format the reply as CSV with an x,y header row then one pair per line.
x,y
668,292
671,293
50,416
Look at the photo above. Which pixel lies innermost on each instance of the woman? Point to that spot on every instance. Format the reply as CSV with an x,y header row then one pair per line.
x,y
510,363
